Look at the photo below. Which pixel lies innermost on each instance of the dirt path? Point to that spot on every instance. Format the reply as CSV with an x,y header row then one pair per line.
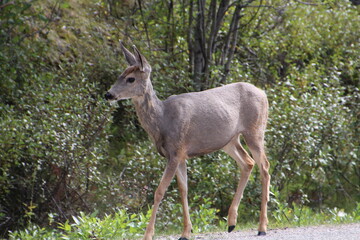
x,y
323,232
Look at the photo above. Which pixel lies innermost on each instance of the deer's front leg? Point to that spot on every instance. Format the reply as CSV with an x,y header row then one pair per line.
x,y
181,175
168,175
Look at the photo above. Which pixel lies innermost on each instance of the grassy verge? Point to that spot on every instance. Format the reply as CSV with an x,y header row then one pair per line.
x,y
122,225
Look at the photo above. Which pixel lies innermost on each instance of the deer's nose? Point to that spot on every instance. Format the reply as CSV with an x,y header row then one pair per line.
x,y
109,96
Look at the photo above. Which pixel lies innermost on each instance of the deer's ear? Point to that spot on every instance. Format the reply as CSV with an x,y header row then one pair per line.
x,y
141,61
130,58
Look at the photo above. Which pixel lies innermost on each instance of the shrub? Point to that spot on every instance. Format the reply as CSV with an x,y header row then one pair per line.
x,y
54,133
312,144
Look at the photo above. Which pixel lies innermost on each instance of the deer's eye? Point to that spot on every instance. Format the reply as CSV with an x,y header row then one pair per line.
x,y
130,80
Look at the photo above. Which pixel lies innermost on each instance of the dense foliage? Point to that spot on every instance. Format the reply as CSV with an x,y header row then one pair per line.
x,y
63,149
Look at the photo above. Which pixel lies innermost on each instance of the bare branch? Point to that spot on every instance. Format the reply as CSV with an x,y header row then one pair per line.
x,y
145,24
7,4
307,3
229,48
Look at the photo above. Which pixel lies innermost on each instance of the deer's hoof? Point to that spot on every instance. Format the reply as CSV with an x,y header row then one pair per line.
x,y
261,233
182,238
230,228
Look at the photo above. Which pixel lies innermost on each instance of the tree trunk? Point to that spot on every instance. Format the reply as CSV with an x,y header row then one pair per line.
x,y
204,43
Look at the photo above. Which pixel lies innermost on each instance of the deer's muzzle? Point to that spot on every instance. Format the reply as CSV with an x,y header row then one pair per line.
x,y
109,96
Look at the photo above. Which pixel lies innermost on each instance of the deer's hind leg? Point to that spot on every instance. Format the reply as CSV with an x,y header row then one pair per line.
x,y
246,163
255,142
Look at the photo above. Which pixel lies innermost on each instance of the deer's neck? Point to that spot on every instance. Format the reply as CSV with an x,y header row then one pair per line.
x,y
149,109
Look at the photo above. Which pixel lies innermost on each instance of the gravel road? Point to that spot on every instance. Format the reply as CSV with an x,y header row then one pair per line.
x,y
323,232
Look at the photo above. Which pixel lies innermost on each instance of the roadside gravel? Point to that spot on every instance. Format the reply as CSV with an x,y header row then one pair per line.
x,y
323,232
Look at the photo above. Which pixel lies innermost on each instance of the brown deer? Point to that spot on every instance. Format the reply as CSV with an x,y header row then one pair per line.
x,y
193,124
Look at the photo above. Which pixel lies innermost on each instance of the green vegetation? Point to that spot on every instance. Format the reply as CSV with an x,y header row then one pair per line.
x,y
121,225
72,166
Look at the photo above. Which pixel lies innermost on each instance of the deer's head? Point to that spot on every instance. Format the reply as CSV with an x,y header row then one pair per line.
x,y
133,82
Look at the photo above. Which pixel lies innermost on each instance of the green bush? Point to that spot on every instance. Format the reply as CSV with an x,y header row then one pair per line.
x,y
53,133
53,125
118,225
301,215
312,144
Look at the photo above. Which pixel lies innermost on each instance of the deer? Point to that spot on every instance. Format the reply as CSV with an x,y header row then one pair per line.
x,y
196,123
